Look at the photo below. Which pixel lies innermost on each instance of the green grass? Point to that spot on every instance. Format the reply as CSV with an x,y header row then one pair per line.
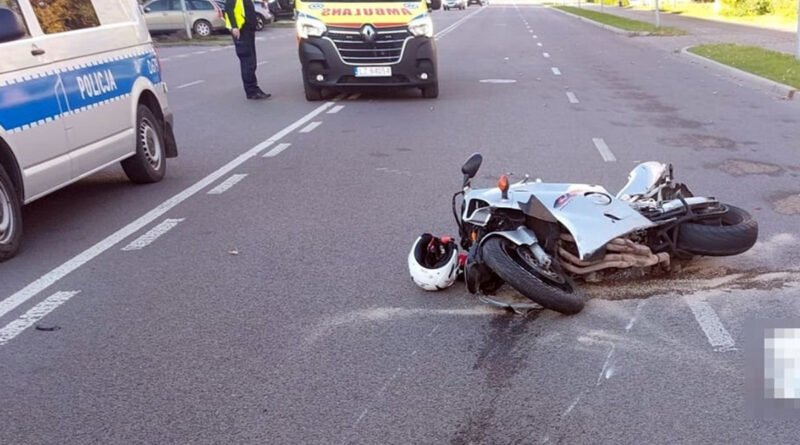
x,y
623,23
780,67
706,11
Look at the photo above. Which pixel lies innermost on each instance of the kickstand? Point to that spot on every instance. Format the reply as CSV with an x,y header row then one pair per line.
x,y
518,308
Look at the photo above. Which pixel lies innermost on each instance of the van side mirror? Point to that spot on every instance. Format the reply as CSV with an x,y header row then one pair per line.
x,y
147,9
435,4
471,166
11,26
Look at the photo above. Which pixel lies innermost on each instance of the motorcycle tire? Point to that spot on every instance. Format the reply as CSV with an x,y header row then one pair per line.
x,y
551,290
735,232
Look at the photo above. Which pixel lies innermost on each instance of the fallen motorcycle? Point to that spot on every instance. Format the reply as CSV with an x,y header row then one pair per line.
x,y
539,237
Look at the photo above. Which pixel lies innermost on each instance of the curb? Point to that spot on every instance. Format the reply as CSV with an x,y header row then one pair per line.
x,y
602,25
785,91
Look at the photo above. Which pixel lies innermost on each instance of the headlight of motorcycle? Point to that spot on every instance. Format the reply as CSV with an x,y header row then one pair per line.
x,y
421,27
309,27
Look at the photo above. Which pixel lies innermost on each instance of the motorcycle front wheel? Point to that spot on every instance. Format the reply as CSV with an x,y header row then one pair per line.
x,y
734,232
517,267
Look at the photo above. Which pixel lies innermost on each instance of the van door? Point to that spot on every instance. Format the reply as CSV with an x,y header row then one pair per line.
x,y
102,54
32,108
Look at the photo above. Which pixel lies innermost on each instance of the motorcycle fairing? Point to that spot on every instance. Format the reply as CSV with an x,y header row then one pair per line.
x,y
642,179
591,215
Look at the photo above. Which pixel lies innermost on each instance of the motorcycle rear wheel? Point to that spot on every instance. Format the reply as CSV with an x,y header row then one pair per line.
x,y
547,288
735,232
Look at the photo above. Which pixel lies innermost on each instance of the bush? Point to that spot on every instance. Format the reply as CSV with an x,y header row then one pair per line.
x,y
742,8
785,8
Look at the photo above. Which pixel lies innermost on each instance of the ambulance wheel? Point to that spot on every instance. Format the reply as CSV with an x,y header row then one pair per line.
x,y
313,93
431,92
202,28
10,217
149,164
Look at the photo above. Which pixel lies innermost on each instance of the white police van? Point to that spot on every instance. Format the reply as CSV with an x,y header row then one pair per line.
x,y
80,89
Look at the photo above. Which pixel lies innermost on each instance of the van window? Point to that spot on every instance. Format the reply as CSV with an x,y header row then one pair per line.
x,y
14,6
159,5
65,15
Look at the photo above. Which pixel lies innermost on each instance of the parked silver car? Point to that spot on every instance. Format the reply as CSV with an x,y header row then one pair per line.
x,y
205,17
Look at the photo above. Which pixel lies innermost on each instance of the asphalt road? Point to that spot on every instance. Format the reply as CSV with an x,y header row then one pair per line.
x,y
279,309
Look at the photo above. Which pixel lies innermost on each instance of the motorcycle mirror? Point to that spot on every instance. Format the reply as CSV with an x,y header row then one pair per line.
x,y
471,166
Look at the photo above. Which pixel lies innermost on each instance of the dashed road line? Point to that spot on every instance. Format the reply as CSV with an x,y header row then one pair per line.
x,y
197,53
546,55
572,98
43,282
335,109
35,314
186,85
719,337
605,152
556,71
262,63
277,150
181,56
227,184
539,44
152,235
310,127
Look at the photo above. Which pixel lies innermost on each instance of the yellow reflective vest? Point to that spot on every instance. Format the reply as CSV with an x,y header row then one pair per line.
x,y
238,15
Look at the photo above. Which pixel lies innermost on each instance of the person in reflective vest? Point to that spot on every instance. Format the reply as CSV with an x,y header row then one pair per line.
x,y
240,19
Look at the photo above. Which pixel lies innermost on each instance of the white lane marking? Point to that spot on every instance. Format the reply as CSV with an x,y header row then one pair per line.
x,y
556,71
277,150
262,63
607,370
572,405
361,417
153,234
50,278
572,98
530,31
197,53
605,152
433,330
186,85
181,56
636,314
166,59
335,109
546,55
213,50
711,325
227,184
310,127
535,36
354,96
539,44
455,25
35,314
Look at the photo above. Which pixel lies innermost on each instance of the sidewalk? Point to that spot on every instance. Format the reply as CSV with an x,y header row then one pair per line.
x,y
706,31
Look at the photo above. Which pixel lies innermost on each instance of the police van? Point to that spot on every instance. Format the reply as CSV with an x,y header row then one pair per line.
x,y
355,44
80,89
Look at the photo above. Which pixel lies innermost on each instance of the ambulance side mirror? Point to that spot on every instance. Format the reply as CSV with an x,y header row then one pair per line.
x,y
435,4
147,9
11,26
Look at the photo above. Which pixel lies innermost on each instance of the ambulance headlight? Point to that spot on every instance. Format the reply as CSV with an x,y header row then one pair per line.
x,y
421,27
309,27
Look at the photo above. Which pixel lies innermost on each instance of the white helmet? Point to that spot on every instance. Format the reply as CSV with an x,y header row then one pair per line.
x,y
433,262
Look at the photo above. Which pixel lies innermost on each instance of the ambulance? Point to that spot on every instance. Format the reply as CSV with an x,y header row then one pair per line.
x,y
80,89
344,44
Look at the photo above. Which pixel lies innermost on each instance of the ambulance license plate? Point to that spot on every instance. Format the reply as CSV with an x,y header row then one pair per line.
x,y
373,71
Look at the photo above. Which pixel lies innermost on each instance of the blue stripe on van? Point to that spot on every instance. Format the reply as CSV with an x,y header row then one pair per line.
x,y
27,102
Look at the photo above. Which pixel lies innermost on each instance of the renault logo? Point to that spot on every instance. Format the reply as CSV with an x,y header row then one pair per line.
x,y
368,33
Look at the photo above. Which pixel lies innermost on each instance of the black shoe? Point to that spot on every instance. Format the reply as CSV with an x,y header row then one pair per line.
x,y
259,96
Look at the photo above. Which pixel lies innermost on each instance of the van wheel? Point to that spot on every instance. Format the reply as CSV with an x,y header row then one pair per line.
x,y
431,92
202,28
10,217
313,93
260,22
149,164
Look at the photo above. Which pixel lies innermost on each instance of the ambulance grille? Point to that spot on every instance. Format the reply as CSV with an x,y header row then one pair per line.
x,y
386,48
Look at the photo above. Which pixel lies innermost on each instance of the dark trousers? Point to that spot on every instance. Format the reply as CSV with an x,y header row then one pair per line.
x,y
246,51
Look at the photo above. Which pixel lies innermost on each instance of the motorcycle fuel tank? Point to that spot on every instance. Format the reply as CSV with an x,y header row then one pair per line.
x,y
591,215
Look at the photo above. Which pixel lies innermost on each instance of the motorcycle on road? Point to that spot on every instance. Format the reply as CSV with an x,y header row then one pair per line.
x,y
539,237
